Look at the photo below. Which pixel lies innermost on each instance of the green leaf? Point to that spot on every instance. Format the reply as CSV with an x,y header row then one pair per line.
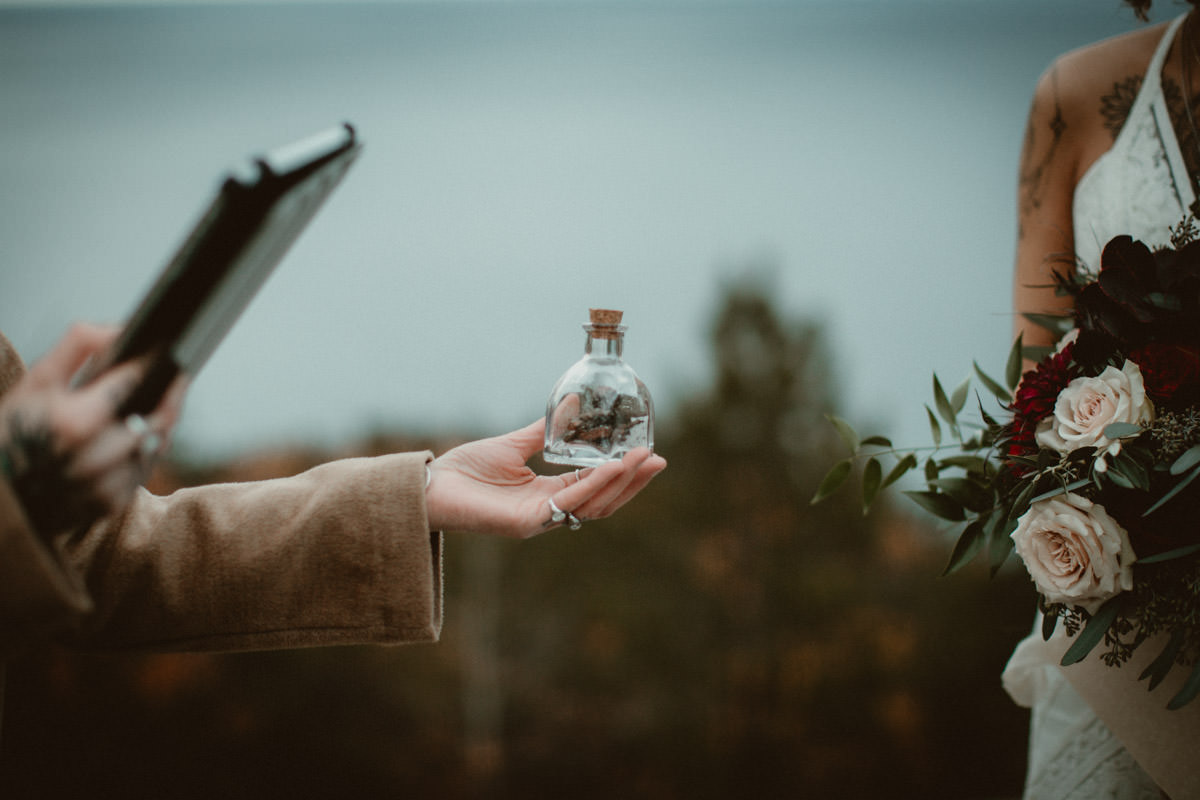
x,y
1170,555
1037,353
931,470
1012,369
966,493
1174,491
832,480
1001,546
872,478
1189,459
935,430
972,464
1121,430
1001,394
938,504
968,545
876,441
848,434
902,466
944,408
1059,490
1191,688
1159,668
958,398
1049,623
1055,323
1092,633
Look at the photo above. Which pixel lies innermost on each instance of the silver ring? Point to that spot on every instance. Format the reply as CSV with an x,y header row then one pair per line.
x,y
148,441
574,522
556,513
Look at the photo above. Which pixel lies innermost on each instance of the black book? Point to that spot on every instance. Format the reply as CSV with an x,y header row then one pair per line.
x,y
259,210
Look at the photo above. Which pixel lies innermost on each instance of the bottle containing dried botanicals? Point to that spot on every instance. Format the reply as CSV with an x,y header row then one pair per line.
x,y
599,409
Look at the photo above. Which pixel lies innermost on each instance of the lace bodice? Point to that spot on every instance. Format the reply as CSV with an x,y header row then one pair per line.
x,y
1140,186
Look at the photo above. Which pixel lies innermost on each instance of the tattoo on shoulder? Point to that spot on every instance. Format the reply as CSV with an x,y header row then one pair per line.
x,y
37,472
1044,141
1115,106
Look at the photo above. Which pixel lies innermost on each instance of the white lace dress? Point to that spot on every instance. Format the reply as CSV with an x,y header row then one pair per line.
x,y
1139,187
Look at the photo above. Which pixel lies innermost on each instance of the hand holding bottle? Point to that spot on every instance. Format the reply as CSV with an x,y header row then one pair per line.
x,y
486,487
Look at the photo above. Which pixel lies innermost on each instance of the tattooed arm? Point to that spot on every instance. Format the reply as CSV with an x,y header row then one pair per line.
x,y
1047,178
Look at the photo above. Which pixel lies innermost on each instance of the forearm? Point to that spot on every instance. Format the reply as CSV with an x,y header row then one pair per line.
x,y
341,554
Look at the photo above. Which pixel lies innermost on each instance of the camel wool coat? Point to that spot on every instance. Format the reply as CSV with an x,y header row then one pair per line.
x,y
340,554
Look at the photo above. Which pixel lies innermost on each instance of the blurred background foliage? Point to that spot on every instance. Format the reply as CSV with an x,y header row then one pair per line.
x,y
719,637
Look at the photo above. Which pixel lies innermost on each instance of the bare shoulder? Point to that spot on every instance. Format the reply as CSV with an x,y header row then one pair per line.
x,y
1105,71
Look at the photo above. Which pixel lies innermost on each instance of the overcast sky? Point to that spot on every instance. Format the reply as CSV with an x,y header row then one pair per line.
x,y
523,162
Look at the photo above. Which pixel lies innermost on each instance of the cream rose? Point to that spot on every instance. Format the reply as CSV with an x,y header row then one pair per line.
x,y
1074,551
1089,405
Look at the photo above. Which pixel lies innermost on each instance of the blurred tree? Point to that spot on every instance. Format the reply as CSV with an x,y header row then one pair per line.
x,y
718,637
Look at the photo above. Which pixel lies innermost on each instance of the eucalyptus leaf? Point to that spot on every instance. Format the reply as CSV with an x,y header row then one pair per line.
x,y
1060,490
1120,478
935,429
1161,665
832,480
1037,353
998,551
1191,688
966,493
1176,489
975,464
871,480
1000,393
958,398
1012,369
1092,633
944,408
1170,555
1189,459
931,470
876,441
902,466
846,431
969,544
1055,323
938,504
1049,623
1121,430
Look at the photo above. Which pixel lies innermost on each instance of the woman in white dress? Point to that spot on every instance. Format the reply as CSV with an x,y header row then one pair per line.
x,y
1111,148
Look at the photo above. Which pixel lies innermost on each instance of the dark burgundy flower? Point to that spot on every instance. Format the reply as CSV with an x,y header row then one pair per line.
x,y
1036,396
1167,368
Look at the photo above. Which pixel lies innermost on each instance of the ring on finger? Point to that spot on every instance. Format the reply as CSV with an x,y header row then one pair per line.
x,y
558,515
148,441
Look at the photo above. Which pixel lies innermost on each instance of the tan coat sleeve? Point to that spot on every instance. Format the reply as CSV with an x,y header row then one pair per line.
x,y
40,595
341,554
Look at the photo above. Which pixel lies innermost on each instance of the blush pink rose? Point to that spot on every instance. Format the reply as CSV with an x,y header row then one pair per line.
x,y
1075,552
1089,405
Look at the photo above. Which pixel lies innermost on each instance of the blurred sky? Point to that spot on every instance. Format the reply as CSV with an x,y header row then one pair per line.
x,y
524,161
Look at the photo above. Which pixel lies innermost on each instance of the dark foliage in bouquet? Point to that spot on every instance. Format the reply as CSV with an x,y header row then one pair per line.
x,y
1091,477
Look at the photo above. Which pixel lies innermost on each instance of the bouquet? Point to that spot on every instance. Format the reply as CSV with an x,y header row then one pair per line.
x,y
1090,472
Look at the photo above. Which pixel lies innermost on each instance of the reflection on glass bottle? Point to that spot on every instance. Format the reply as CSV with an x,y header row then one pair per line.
x,y
599,409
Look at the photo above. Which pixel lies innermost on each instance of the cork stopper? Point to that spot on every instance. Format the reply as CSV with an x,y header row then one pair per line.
x,y
605,322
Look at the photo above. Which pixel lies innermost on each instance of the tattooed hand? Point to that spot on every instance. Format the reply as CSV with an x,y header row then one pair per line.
x,y
68,458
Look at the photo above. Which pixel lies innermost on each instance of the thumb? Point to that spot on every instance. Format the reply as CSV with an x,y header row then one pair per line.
x,y
530,439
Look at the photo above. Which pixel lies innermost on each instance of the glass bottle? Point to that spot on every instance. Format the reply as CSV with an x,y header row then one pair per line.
x,y
599,409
